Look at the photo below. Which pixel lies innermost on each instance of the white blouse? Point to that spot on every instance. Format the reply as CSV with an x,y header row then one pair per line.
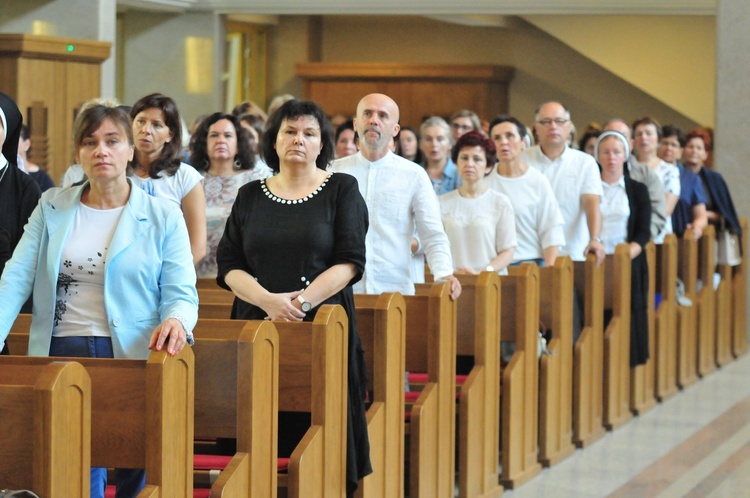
x,y
478,228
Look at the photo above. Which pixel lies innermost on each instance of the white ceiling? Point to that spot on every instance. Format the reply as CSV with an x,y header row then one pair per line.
x,y
433,7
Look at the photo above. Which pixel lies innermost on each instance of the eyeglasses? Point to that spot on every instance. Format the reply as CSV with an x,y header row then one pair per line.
x,y
557,121
675,145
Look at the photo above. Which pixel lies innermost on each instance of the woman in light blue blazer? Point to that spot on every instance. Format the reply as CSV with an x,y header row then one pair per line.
x,y
110,266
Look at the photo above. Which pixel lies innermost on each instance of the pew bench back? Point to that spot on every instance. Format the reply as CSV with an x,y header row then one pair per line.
x,y
46,427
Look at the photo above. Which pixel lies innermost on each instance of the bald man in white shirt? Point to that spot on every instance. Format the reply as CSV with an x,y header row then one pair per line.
x,y
399,198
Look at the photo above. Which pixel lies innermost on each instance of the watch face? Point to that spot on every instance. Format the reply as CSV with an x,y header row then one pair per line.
x,y
306,306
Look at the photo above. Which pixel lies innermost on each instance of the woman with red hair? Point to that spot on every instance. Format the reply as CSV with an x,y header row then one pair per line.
x,y
479,221
719,206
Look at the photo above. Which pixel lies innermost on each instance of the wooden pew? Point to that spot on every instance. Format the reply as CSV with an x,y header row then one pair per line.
x,y
207,283
588,355
478,335
381,323
666,319
236,396
219,311
431,348
617,338
706,302
46,427
520,378
739,298
18,339
643,377
723,324
556,369
152,404
216,295
313,378
724,320
687,316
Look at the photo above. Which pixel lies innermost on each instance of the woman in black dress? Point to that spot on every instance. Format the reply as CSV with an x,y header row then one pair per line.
x,y
296,241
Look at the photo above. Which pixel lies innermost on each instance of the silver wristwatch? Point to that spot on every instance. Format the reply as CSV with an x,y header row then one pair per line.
x,y
306,305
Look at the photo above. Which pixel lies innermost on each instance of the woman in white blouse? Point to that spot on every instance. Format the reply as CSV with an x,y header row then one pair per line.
x,y
479,221
157,168
539,223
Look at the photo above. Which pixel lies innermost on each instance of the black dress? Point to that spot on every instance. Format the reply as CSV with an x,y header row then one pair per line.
x,y
285,245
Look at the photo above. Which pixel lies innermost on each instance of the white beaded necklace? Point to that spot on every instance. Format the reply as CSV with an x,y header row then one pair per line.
x,y
293,201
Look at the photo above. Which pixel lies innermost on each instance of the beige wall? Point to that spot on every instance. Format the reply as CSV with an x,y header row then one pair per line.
x,y
545,67
669,57
65,18
287,45
180,55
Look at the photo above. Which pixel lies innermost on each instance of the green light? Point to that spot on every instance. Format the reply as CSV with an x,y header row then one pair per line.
x,y
71,48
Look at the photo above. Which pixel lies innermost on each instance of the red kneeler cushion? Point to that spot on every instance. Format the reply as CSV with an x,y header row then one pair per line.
x,y
423,378
211,462
220,462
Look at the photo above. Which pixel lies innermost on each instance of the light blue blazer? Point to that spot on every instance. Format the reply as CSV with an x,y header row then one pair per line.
x,y
149,274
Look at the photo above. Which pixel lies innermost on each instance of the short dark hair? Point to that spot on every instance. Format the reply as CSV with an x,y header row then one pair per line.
x,y
199,143
256,122
346,125
509,119
673,131
588,136
25,132
291,110
648,120
171,153
476,139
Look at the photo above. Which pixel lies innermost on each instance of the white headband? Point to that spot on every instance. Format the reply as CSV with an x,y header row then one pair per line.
x,y
3,160
615,134
4,123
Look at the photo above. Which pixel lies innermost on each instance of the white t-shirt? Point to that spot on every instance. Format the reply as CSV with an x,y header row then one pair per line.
x,y
571,175
399,197
615,213
172,188
670,180
478,228
79,309
539,223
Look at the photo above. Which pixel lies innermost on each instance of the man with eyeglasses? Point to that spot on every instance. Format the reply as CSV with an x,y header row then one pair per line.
x,y
642,173
575,180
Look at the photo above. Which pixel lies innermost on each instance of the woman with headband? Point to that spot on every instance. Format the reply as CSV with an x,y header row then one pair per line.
x,y
626,218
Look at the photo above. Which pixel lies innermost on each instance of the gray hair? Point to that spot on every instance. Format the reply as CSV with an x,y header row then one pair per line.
x,y
436,121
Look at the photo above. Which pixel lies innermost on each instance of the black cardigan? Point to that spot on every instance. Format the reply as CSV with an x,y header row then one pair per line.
x,y
639,232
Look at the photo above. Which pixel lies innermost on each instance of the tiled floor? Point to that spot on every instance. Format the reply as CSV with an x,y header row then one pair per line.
x,y
695,444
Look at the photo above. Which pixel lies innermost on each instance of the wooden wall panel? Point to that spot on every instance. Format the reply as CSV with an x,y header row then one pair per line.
x,y
41,69
419,90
